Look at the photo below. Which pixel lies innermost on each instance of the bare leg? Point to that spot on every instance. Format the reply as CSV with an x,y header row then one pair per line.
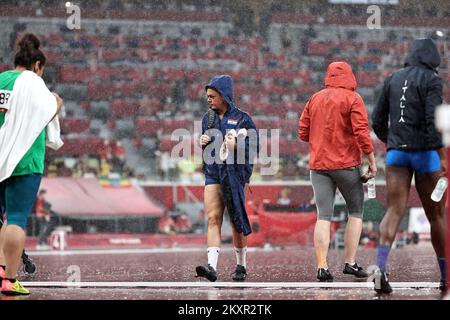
x,y
2,237
14,242
398,183
239,240
435,211
240,245
322,242
214,208
351,238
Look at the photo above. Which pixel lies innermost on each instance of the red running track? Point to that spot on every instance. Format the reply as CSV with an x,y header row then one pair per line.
x,y
291,264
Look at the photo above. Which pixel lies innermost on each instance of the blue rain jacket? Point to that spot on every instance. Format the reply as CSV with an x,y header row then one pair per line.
x,y
232,176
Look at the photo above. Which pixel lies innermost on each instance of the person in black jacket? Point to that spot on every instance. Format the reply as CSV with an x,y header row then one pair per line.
x,y
403,118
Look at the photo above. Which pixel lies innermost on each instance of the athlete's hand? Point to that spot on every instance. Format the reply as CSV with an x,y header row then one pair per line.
x,y
230,141
372,166
59,101
204,140
373,170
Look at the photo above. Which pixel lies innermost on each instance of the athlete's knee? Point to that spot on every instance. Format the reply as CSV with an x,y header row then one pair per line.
x,y
358,215
324,216
14,234
214,220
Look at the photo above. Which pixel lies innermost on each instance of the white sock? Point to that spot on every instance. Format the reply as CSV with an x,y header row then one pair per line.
x,y
213,256
241,256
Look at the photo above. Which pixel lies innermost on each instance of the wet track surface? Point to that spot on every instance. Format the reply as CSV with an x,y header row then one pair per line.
x,y
293,264
223,294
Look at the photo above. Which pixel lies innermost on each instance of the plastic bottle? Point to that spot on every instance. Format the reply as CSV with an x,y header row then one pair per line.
x,y
371,189
439,190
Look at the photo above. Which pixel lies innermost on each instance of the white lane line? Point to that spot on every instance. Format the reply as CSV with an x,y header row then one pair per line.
x,y
274,285
130,251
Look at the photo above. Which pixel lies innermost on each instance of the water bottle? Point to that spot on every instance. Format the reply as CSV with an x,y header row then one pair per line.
x,y
439,190
371,189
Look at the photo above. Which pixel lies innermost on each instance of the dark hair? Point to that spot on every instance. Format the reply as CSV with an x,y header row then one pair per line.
x,y
28,52
212,88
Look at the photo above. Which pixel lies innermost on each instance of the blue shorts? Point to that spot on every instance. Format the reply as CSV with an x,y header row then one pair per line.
x,y
211,180
211,174
419,161
17,197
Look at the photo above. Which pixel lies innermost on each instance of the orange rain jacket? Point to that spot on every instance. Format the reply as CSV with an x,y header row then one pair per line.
x,y
335,122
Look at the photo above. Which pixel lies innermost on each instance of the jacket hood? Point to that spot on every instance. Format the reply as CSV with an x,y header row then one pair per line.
x,y
340,75
423,53
224,85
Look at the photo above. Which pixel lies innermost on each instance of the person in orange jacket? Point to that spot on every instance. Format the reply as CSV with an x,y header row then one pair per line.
x,y
335,124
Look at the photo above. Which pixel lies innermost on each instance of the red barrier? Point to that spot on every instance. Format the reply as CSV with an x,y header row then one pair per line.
x,y
260,192
282,228
257,238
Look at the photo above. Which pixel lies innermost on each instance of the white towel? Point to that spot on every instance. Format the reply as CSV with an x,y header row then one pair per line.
x,y
53,135
30,109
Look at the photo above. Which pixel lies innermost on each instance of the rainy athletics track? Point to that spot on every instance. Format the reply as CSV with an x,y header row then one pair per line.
x,y
274,274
